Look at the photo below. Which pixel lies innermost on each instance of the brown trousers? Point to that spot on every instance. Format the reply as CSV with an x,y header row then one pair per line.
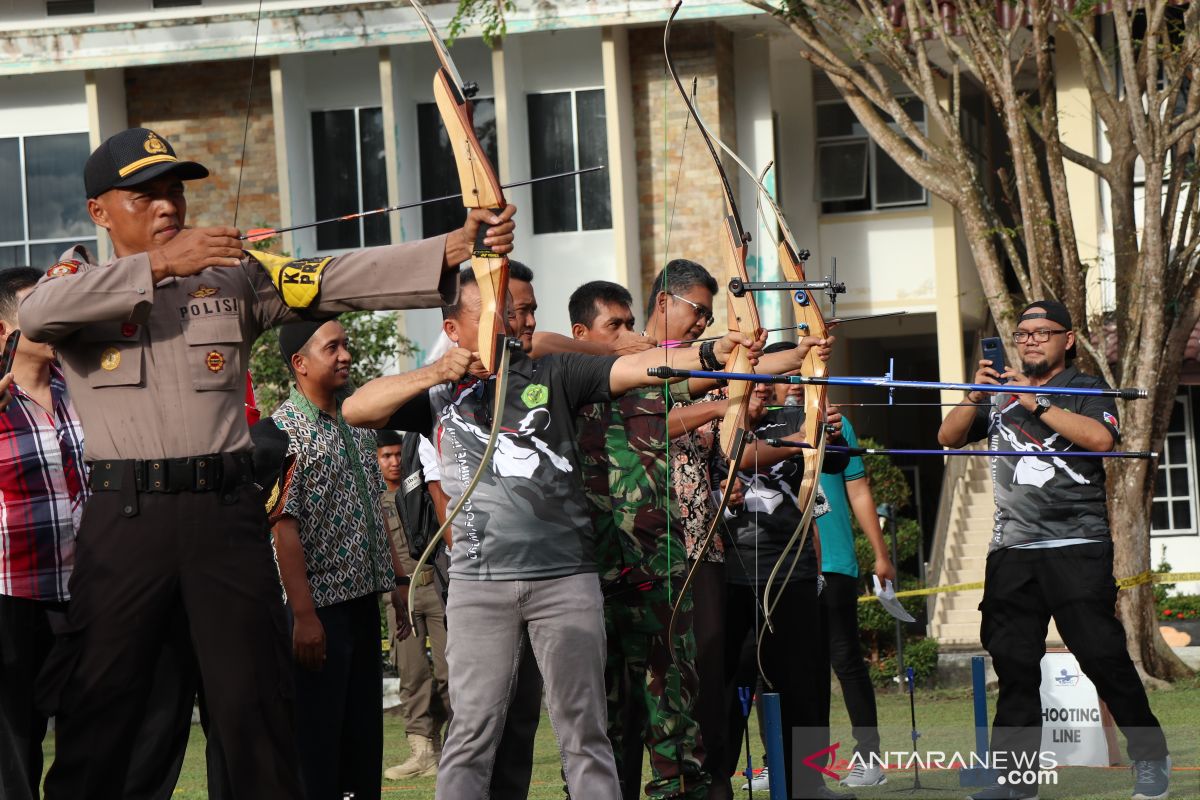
x,y
424,695
189,559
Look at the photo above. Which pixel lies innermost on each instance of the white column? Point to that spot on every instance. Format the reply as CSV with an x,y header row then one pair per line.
x,y
107,114
622,162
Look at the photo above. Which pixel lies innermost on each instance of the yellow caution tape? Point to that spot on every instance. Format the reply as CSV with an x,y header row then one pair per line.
x,y
1123,583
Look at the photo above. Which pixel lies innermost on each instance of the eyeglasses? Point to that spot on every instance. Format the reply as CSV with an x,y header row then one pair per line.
x,y
701,311
1039,336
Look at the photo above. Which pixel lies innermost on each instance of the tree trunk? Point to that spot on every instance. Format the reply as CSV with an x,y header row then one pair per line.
x,y
1129,521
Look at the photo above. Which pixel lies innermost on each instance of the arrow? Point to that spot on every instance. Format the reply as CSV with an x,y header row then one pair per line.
x,y
258,234
801,327
886,451
888,383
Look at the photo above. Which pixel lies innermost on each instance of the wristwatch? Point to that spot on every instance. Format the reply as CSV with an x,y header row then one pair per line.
x,y
1043,405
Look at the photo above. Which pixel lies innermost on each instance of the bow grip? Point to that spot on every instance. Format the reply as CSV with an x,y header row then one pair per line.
x,y
481,249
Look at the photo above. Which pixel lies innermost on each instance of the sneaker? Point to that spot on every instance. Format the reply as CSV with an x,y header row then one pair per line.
x,y
999,792
864,775
1150,779
760,783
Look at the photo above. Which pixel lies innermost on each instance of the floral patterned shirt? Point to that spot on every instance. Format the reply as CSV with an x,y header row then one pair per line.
x,y
692,457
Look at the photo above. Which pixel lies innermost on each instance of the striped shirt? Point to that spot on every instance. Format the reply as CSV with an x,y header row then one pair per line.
x,y
42,490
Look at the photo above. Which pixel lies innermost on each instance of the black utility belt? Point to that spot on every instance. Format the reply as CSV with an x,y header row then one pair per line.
x,y
210,473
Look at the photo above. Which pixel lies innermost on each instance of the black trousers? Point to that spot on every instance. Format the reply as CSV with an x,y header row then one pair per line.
x,y
795,660
26,637
839,616
1074,584
709,618
338,713
133,576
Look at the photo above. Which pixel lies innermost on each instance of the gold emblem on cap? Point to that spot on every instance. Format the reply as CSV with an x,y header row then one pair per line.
x,y
110,359
203,292
154,145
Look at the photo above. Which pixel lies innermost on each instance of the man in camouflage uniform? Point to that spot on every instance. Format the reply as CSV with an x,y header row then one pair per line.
x,y
640,553
641,547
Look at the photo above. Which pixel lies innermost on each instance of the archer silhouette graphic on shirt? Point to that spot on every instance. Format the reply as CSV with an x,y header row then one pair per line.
x,y
518,452
1034,470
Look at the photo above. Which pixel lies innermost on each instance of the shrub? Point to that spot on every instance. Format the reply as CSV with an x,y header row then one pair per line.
x,y
920,654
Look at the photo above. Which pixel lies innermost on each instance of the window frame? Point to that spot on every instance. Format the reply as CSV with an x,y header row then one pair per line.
x,y
573,92
26,242
872,170
1189,462
358,163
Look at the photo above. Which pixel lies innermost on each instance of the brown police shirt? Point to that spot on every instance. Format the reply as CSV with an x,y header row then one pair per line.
x,y
158,370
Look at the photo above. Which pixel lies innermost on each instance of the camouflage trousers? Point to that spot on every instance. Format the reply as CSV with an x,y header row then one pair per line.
x,y
650,699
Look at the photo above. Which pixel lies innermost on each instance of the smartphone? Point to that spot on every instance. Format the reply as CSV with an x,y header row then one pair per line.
x,y
993,350
10,350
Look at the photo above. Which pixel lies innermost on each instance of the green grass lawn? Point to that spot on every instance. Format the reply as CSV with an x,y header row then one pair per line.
x,y
943,717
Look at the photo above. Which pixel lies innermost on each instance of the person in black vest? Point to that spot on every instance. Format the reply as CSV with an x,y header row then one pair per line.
x,y
408,512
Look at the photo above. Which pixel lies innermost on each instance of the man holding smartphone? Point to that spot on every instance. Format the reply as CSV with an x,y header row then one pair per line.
x,y
1051,553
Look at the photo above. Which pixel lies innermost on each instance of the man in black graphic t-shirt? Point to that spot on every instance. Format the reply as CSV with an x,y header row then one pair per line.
x,y
523,565
1051,552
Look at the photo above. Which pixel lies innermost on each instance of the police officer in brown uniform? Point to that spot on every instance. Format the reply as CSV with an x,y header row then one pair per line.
x,y
154,345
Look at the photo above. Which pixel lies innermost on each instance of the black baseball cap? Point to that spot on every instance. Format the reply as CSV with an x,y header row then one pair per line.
x,y
131,157
1051,310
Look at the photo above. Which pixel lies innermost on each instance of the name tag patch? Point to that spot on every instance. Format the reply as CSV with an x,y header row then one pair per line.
x,y
202,308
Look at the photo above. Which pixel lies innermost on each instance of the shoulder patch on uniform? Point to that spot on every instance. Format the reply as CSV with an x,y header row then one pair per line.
x,y
1111,420
298,280
69,267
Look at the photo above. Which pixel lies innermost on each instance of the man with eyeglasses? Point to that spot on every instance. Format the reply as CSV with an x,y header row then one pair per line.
x,y
1051,553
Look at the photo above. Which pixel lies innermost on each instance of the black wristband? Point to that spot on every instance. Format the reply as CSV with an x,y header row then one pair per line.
x,y
403,580
708,357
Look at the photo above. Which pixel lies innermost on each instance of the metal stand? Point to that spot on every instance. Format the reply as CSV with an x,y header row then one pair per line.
x,y
912,714
888,513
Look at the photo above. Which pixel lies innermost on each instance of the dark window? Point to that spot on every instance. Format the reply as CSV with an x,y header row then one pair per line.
x,y
567,131
59,8
439,175
1173,509
175,3
349,175
854,173
43,210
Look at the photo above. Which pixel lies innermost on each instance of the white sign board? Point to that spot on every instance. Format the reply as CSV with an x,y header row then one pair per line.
x,y
1073,726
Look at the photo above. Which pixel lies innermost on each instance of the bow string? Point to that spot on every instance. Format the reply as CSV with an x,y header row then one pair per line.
x,y
743,317
481,188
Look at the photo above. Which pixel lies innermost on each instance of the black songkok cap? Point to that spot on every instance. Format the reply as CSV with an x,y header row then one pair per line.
x,y
294,336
